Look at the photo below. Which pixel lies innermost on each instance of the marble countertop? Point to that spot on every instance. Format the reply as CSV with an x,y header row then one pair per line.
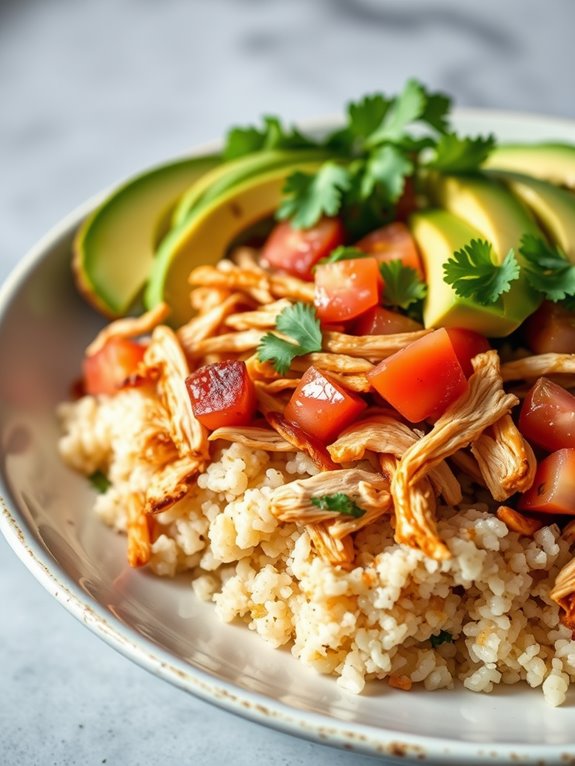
x,y
92,91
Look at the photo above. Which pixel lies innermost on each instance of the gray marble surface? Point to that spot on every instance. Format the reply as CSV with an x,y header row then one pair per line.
x,y
92,91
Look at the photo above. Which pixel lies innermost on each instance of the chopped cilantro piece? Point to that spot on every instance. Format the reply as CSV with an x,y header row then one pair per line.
x,y
99,481
339,502
402,285
273,135
443,637
300,323
454,154
473,274
309,196
547,269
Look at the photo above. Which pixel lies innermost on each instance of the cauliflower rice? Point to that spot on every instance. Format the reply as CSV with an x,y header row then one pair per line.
x,y
383,619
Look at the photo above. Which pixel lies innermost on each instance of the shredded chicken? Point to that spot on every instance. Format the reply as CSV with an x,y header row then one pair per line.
x,y
138,531
536,366
518,522
483,404
207,323
171,483
233,342
129,327
165,355
369,346
301,440
505,459
262,318
387,434
563,593
293,501
331,549
254,437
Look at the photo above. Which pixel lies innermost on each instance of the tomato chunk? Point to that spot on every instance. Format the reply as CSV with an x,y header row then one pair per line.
x,y
105,371
321,406
222,394
547,416
551,329
392,243
422,379
553,490
381,321
467,344
346,289
296,251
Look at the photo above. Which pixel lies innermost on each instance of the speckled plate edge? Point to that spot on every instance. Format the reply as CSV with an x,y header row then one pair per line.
x,y
248,704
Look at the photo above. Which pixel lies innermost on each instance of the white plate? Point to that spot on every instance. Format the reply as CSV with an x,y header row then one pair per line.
x,y
44,327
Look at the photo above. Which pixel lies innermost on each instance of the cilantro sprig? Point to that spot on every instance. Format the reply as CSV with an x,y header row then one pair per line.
x,y
547,269
339,502
300,323
473,273
273,134
402,285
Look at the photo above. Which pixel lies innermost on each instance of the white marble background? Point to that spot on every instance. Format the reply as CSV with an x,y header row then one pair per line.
x,y
91,91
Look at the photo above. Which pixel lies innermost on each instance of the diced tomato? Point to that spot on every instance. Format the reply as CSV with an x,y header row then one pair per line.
x,y
381,321
321,406
553,490
106,370
222,394
296,251
467,344
392,243
551,329
346,289
547,416
422,379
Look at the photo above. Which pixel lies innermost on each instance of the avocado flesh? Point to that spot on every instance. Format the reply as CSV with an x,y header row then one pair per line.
x,y
205,236
438,235
553,162
553,207
501,219
231,173
114,247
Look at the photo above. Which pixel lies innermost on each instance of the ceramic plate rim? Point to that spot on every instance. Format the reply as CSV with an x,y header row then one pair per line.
x,y
249,704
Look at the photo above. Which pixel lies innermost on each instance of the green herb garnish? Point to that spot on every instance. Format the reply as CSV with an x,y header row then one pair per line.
x,y
547,269
99,481
402,285
300,323
339,502
273,135
344,253
456,154
443,637
473,273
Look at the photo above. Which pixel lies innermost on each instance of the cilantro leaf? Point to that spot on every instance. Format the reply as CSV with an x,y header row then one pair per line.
x,y
386,169
473,274
241,141
402,285
407,107
300,323
454,154
443,637
366,116
99,481
339,502
308,196
436,110
547,269
343,253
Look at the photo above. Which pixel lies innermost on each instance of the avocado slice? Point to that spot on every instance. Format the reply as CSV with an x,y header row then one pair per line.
x,y
553,207
114,247
552,161
205,236
233,172
438,234
500,218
